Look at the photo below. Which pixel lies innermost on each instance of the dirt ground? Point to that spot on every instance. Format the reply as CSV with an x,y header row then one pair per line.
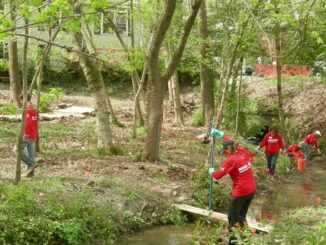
x,y
305,101
167,180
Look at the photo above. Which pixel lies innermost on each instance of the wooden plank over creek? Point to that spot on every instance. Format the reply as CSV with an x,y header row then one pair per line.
x,y
222,217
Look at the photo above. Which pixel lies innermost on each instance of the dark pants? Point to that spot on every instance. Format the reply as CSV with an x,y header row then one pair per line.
x,y
271,162
238,208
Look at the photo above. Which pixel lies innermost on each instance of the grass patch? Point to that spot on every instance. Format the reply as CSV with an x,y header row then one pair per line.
x,y
47,212
115,150
304,226
7,132
68,151
9,109
109,183
57,130
158,175
53,211
197,118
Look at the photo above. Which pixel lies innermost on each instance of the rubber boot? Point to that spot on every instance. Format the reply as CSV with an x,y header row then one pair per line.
x,y
272,171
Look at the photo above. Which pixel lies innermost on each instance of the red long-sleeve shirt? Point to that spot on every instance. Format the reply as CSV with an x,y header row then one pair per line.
x,y
272,143
30,123
311,139
238,166
292,148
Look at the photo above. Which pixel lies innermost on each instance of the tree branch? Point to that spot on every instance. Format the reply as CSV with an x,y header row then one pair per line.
x,y
69,49
161,29
175,58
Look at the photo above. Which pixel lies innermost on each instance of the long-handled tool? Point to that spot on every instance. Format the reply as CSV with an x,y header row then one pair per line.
x,y
211,161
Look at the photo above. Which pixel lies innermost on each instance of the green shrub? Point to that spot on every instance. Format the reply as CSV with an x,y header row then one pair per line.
x,y
3,65
201,185
48,98
197,118
175,216
303,226
112,89
142,131
9,109
207,233
50,213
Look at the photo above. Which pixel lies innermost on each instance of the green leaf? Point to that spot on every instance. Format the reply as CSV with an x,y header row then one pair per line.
x,y
97,4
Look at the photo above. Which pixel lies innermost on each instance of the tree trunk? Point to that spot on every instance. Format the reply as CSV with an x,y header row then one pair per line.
x,y
96,84
110,107
207,85
174,94
230,65
152,145
171,99
22,126
134,76
238,99
38,77
15,82
178,116
138,114
158,82
140,88
279,85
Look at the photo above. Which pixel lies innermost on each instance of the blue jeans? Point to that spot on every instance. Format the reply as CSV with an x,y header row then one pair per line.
x,y
271,160
28,152
306,152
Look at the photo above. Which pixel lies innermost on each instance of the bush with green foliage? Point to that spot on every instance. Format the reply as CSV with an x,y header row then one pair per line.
x,y
201,183
175,216
303,226
142,131
49,213
207,233
9,109
48,98
3,65
197,118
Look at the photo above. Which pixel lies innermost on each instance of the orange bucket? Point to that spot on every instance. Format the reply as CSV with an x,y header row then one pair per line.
x,y
301,164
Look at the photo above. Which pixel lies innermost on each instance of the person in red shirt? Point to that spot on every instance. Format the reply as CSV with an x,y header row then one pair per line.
x,y
29,136
273,143
204,138
291,150
238,166
310,139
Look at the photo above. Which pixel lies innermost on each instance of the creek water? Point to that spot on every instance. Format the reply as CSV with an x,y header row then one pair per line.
x,y
299,189
161,235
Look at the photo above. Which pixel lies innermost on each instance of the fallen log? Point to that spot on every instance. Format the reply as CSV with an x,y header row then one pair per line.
x,y
222,217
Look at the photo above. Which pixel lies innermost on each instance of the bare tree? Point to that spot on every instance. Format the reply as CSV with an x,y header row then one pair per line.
x,y
93,76
159,81
22,126
15,82
207,85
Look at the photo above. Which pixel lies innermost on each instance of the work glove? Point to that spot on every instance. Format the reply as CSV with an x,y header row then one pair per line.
x,y
216,133
210,171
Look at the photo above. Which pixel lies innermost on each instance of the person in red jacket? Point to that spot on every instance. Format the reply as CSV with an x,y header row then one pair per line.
x,y
29,136
238,166
310,139
273,143
292,150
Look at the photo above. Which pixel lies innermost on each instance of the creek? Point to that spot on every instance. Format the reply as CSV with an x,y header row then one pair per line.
x,y
296,190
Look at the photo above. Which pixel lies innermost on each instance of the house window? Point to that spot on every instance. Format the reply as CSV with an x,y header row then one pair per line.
x,y
121,21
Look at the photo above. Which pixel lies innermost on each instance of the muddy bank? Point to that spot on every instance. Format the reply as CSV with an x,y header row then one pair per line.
x,y
304,102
